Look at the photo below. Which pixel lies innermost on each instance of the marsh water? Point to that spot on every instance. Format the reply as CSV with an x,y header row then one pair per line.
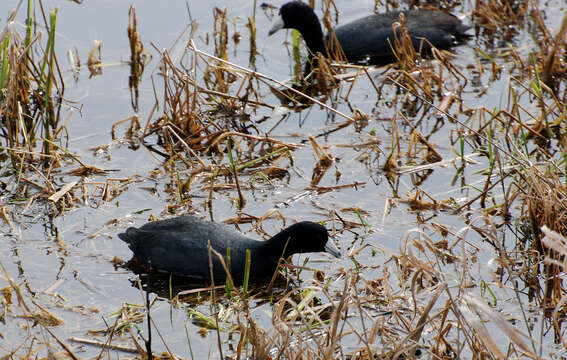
x,y
72,254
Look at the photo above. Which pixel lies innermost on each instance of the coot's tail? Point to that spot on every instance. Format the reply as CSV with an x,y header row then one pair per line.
x,y
130,237
461,32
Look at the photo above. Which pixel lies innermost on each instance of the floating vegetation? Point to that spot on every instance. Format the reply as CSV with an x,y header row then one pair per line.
x,y
32,132
31,92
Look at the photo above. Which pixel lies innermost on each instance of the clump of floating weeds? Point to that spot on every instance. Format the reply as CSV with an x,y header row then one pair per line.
x,y
32,134
207,110
32,91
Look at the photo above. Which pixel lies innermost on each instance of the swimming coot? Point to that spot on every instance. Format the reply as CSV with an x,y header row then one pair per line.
x,y
371,37
179,246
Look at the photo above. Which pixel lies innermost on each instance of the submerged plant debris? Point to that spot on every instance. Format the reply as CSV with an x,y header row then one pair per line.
x,y
441,178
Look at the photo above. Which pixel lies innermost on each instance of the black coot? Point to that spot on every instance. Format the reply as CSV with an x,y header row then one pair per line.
x,y
179,246
372,37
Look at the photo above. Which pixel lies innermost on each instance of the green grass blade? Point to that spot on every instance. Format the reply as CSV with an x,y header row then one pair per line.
x,y
246,272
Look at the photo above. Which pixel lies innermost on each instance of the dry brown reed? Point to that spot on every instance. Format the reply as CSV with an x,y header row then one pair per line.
x,y
33,134
493,18
138,57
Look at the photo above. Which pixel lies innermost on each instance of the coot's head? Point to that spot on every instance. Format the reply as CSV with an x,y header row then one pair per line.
x,y
295,15
307,236
301,17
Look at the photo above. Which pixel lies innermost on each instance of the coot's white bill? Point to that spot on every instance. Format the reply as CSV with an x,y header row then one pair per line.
x,y
332,249
277,25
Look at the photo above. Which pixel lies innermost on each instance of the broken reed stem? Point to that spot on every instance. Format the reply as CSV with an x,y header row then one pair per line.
x,y
466,126
137,57
29,315
549,59
262,158
149,320
186,146
253,137
103,345
241,198
200,89
335,319
280,261
267,78
213,298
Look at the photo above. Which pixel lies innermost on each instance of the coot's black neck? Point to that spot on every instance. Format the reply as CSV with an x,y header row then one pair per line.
x,y
280,245
286,243
313,35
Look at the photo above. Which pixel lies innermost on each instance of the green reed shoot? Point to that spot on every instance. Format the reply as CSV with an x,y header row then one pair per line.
x,y
4,74
49,61
261,175
535,85
254,12
29,26
228,284
246,271
362,221
170,287
296,58
485,287
189,341
262,158
229,151
50,47
462,146
252,27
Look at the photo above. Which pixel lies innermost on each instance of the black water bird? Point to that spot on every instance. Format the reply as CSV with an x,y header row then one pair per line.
x,y
179,246
371,38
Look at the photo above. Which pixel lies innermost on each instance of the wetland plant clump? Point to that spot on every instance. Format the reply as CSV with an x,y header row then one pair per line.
x,y
32,92
31,107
